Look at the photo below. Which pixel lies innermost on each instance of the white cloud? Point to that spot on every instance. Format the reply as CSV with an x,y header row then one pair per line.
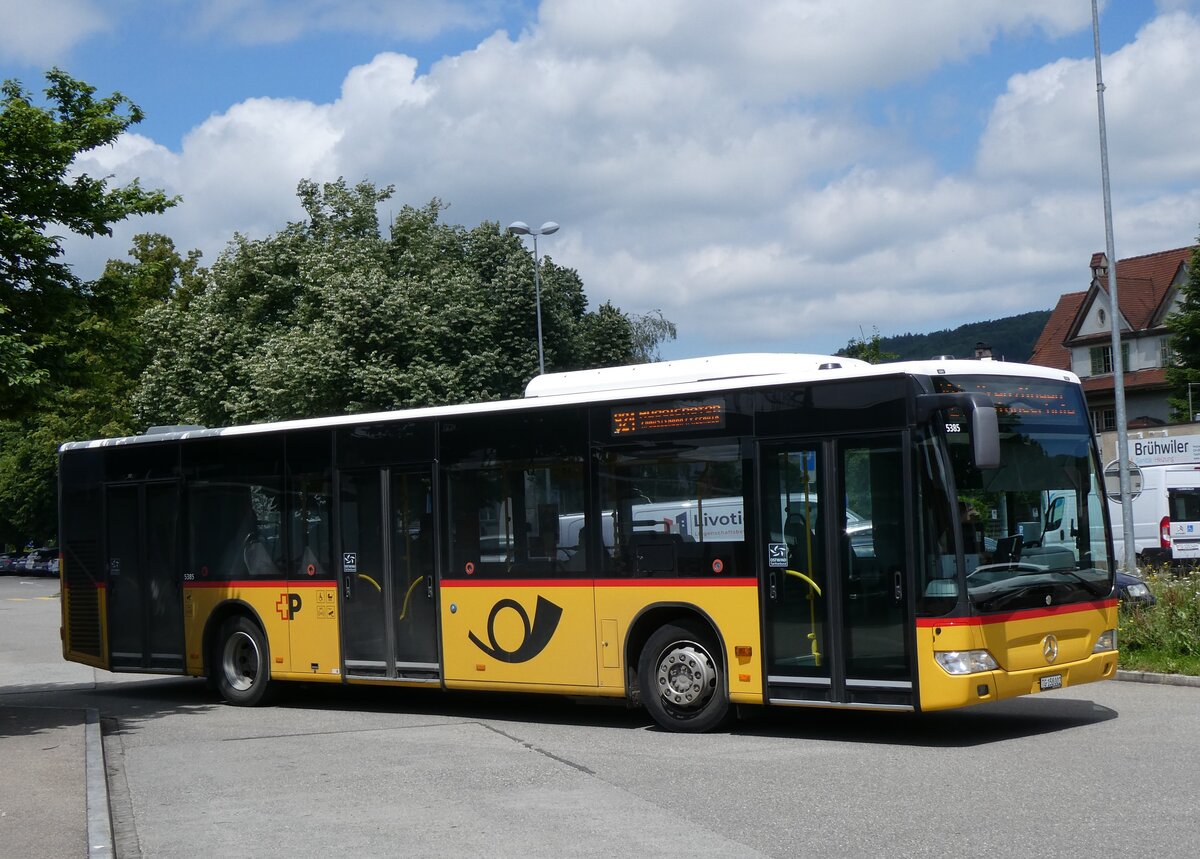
x,y
691,174
44,34
1047,117
802,47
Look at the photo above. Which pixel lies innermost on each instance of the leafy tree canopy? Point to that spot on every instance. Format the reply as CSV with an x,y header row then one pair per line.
x,y
329,316
105,354
1184,325
39,293
868,349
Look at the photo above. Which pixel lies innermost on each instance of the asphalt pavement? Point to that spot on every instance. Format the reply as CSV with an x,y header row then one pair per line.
x,y
54,794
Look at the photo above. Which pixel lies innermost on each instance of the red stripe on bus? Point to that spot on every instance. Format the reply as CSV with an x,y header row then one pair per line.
x,y
1022,614
599,583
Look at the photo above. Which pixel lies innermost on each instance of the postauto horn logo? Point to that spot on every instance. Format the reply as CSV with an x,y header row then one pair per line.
x,y
545,621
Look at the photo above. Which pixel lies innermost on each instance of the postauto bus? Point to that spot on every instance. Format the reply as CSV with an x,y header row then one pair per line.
x,y
783,530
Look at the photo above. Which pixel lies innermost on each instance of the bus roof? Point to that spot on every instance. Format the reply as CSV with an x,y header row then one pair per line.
x,y
665,378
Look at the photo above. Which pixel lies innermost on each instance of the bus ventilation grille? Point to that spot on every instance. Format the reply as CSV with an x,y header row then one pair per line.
x,y
82,573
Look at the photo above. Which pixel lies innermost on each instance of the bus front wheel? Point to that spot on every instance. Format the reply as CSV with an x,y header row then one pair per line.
x,y
243,664
681,680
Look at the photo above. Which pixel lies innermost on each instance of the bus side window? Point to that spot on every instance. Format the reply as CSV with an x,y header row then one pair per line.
x,y
675,513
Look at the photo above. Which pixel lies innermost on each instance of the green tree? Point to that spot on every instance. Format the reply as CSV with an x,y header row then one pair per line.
x,y
329,316
868,349
1184,325
648,330
38,292
105,357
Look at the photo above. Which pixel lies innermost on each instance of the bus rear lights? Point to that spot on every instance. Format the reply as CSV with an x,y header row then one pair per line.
x,y
965,661
1107,641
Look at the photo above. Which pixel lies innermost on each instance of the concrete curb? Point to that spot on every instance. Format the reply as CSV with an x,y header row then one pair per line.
x,y
1161,679
99,825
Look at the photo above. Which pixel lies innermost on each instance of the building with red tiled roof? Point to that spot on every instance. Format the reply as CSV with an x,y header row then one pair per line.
x,y
1078,336
1050,349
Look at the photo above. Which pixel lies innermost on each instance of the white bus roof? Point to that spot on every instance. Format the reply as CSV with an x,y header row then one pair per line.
x,y
665,378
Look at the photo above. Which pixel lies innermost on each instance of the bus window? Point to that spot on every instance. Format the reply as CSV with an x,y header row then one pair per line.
x,y
235,510
310,505
938,585
508,520
676,511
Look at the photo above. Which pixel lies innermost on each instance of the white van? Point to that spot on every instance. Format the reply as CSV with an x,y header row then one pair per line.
x,y
1166,516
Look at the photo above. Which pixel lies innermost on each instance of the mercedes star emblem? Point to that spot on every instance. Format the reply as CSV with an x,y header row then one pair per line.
x,y
1050,648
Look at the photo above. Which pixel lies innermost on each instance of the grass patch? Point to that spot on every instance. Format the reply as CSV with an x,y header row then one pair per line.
x,y
1163,638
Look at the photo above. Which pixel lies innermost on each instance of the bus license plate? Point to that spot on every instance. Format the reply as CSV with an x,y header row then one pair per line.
x,y
1054,681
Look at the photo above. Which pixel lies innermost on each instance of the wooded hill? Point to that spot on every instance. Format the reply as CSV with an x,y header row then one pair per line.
x,y
1011,338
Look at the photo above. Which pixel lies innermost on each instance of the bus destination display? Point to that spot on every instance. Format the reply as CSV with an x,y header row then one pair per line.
x,y
668,417
1044,401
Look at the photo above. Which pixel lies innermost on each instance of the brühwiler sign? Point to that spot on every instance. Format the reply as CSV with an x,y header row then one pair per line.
x,y
1165,451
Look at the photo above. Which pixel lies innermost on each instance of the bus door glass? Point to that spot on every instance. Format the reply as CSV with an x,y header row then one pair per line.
x,y
387,543
873,555
1183,505
145,598
836,584
796,591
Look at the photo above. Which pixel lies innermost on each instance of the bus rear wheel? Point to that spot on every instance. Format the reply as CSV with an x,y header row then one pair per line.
x,y
682,682
243,664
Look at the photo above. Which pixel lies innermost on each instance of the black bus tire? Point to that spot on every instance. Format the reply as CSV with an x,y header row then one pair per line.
x,y
682,680
243,663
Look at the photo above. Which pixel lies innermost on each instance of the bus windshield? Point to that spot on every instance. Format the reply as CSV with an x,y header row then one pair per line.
x,y
1031,531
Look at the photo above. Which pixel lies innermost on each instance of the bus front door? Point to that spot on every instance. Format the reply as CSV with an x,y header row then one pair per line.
x,y
144,590
389,627
835,593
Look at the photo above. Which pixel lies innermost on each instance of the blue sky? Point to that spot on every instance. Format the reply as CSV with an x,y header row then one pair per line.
x,y
777,178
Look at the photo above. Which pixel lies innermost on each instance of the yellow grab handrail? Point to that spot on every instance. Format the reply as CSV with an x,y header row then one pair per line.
x,y
812,612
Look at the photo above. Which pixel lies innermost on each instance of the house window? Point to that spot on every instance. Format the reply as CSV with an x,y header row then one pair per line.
x,y
1104,419
1102,359
1166,354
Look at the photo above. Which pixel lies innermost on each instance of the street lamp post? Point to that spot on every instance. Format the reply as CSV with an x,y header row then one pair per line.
x,y
521,228
1115,317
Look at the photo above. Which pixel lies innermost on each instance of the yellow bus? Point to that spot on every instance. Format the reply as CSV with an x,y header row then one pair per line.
x,y
782,530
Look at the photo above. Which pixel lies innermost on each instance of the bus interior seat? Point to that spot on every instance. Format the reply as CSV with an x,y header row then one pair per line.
x,y
1008,549
796,532
257,559
653,552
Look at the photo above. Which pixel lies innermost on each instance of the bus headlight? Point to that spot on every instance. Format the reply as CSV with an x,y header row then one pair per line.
x,y
965,661
1106,641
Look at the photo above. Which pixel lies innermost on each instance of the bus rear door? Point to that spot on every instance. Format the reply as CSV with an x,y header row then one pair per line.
x,y
145,595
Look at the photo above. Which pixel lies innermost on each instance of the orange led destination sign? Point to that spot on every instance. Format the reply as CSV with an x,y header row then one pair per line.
x,y
1022,399
666,417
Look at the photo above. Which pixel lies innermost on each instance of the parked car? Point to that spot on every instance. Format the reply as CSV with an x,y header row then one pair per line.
x,y
42,562
1133,591
8,562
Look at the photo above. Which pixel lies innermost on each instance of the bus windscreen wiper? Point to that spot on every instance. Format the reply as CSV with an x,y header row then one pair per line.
x,y
1089,586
